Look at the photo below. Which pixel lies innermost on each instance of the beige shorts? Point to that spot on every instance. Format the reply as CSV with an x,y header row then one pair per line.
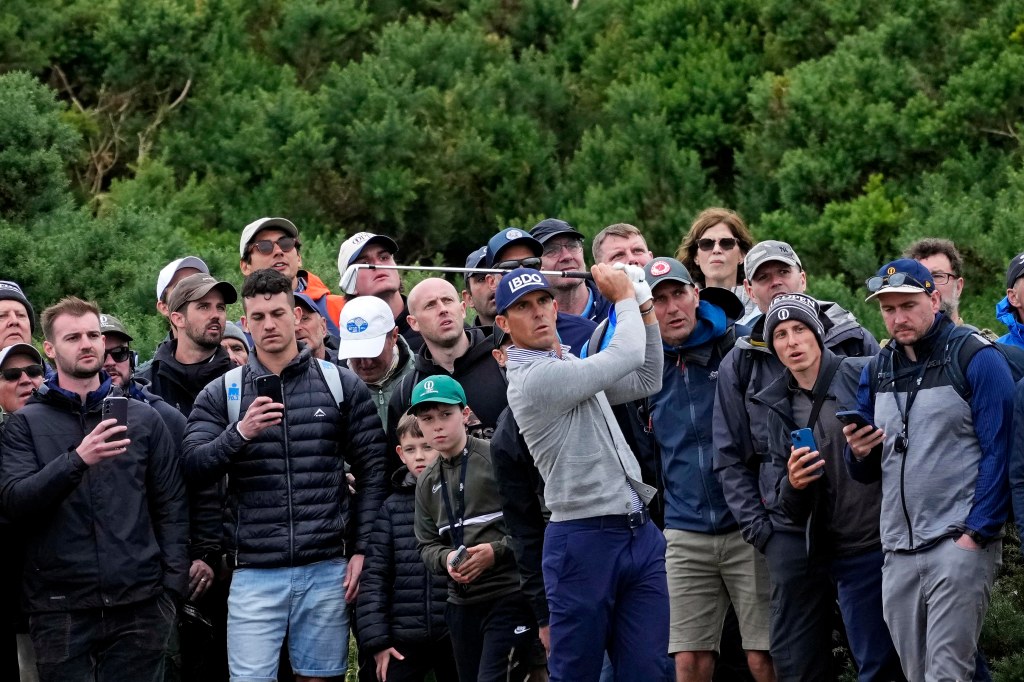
x,y
706,573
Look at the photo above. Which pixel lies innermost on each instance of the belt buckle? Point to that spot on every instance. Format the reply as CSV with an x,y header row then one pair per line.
x,y
636,519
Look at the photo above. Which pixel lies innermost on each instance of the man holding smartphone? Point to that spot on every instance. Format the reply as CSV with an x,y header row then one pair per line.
x,y
941,451
107,560
285,458
838,539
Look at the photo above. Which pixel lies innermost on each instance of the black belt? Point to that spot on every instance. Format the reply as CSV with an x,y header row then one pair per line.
x,y
627,521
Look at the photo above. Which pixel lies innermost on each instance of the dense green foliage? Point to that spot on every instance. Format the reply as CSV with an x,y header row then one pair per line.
x,y
135,132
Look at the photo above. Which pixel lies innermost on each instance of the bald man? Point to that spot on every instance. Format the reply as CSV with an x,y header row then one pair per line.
x,y
438,313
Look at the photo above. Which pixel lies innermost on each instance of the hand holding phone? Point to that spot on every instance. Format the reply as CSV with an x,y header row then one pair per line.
x,y
461,554
848,417
116,407
804,438
266,410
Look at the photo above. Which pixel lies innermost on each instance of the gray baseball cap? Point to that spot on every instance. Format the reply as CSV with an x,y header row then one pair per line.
x,y
769,250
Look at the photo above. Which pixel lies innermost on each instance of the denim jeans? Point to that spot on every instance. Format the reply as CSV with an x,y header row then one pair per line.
x,y
117,643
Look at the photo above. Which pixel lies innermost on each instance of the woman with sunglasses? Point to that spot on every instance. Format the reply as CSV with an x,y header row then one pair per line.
x,y
713,252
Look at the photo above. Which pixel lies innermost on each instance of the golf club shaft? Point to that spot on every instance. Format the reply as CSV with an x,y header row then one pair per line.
x,y
477,271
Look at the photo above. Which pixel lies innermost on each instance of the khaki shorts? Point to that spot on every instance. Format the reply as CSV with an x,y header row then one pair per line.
x,y
705,573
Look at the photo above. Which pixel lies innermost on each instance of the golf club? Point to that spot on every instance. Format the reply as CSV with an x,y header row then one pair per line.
x,y
348,280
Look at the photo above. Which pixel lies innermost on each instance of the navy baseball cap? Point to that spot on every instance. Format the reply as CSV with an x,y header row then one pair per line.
x,y
1015,270
508,237
306,302
516,284
901,276
476,259
553,227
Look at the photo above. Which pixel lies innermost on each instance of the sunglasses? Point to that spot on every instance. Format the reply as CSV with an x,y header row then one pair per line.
x,y
532,263
895,280
708,244
266,246
14,373
118,353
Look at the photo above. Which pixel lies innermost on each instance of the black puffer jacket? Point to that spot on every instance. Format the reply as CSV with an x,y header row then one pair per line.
x,y
205,505
106,535
291,502
400,600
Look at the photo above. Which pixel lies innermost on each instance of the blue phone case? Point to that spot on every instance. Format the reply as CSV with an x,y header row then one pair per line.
x,y
803,438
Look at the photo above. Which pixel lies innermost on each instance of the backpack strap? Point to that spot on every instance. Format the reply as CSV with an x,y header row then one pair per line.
x,y
962,344
233,392
332,375
233,387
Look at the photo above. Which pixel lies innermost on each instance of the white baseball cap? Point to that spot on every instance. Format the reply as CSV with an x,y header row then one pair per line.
x,y
250,231
171,269
21,349
353,246
363,326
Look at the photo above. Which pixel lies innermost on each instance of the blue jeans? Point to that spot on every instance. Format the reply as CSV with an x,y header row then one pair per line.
x,y
95,645
606,589
306,602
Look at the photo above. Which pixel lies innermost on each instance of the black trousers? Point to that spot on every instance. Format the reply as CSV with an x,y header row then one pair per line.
x,y
491,638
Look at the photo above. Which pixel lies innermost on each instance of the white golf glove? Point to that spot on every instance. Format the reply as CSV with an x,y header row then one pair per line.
x,y
641,289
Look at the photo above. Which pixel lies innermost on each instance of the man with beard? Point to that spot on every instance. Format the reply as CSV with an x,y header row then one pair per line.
x,y
107,560
182,367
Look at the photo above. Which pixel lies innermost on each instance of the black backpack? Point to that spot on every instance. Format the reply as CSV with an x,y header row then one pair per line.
x,y
962,343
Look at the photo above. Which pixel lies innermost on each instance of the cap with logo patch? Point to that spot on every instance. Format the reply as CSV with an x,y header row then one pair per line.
x,y
516,284
510,237
476,259
250,231
306,302
901,276
437,388
664,269
194,287
353,247
767,251
111,325
363,327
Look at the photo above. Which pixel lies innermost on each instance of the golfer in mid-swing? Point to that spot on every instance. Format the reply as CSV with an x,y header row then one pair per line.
x,y
604,562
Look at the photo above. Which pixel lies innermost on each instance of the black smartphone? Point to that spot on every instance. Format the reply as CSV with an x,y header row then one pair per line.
x,y
116,407
804,438
269,385
853,417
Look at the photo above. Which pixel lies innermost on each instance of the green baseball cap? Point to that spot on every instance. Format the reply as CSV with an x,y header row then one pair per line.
x,y
437,389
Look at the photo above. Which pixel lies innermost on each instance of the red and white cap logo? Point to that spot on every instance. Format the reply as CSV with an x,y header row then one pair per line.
x,y
659,268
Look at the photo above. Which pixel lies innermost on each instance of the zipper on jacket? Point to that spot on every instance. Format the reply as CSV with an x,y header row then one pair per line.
x,y
288,478
700,446
429,610
903,499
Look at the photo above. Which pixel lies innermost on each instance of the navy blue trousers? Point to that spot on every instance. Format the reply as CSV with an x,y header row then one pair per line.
x,y
858,581
606,590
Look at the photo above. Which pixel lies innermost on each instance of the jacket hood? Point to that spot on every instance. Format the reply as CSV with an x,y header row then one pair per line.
x,y
1006,314
403,480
